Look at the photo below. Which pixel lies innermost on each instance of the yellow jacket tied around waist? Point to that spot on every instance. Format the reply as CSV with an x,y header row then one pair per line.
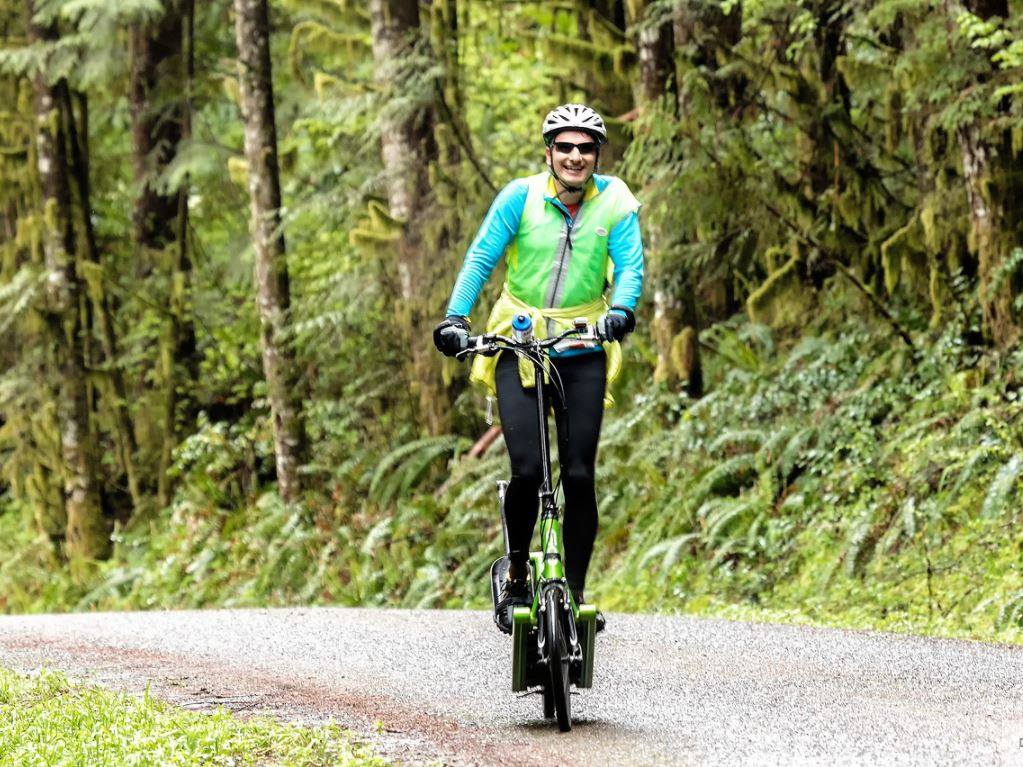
x,y
484,369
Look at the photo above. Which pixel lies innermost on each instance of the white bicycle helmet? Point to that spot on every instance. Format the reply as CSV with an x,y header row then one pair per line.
x,y
573,117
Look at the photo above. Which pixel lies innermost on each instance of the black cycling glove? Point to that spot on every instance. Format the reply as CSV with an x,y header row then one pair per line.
x,y
616,324
451,336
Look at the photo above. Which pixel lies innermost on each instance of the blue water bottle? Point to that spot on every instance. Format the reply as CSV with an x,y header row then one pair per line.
x,y
522,328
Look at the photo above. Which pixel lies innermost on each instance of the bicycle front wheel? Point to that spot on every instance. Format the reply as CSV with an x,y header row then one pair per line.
x,y
558,660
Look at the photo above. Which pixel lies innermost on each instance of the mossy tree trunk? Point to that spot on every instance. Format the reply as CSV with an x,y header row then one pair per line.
x,y
157,75
675,324
607,89
273,293
702,36
87,537
408,147
707,31
161,78
994,190
102,314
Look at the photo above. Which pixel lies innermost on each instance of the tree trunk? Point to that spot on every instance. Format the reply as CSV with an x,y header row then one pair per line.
x,y
994,190
655,50
156,107
180,357
252,28
160,93
87,537
988,171
408,146
78,140
675,324
709,30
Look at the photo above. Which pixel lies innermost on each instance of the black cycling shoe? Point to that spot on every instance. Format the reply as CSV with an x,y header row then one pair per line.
x,y
514,593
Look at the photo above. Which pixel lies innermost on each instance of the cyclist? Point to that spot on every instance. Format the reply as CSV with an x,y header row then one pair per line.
x,y
564,233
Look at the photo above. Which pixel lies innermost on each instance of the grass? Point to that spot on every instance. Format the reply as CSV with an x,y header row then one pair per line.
x,y
47,720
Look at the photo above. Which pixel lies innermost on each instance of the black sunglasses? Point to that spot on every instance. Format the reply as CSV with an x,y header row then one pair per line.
x,y
585,148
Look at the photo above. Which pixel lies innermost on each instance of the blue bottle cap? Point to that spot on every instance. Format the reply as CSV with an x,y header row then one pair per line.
x,y
521,323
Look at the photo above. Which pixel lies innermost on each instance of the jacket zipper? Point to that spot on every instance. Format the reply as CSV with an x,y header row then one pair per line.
x,y
561,260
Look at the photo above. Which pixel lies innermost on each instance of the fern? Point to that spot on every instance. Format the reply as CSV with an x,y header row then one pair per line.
x,y
735,347
1002,488
793,453
668,552
751,439
728,477
722,516
19,295
1011,613
969,471
858,541
402,469
377,535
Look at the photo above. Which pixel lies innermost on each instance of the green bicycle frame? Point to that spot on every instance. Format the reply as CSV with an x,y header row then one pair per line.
x,y
549,570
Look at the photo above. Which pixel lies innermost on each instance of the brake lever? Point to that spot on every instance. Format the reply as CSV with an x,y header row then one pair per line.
x,y
482,344
581,331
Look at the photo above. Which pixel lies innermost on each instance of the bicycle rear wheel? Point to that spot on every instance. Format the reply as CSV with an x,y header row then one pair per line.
x,y
558,660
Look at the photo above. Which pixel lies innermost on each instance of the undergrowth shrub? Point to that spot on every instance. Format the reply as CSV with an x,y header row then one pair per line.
x,y
838,478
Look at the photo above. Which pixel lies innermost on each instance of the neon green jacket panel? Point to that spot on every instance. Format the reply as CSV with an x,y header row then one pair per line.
x,y
555,261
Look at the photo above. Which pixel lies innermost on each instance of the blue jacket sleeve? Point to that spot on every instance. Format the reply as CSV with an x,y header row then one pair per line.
x,y
625,244
493,238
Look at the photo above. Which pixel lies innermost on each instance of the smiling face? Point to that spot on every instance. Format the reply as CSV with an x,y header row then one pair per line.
x,y
573,167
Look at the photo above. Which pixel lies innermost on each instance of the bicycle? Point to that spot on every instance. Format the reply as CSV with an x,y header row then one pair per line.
x,y
553,638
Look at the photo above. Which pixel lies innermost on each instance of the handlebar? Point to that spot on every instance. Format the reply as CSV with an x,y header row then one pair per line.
x,y
491,343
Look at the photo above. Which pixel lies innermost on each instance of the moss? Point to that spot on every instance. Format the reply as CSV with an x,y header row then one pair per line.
x,y
92,274
376,242
683,354
324,83
783,300
232,89
938,291
903,260
238,171
379,218
893,116
312,38
28,235
775,257
574,52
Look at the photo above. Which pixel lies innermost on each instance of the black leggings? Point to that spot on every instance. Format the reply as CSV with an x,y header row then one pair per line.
x,y
585,379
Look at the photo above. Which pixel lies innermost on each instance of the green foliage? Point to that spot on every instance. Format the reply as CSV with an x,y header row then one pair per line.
x,y
874,490
811,160
400,471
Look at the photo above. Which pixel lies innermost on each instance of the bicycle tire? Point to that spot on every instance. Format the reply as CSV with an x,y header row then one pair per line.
x,y
558,661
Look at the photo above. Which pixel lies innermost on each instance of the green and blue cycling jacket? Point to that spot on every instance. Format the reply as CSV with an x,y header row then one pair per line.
x,y
558,267
553,260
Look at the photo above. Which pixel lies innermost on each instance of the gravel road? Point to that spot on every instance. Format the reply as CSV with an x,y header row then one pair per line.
x,y
667,690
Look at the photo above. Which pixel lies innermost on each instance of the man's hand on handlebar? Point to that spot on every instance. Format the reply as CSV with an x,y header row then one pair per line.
x,y
451,336
616,324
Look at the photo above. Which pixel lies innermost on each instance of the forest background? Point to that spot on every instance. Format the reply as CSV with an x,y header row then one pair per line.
x,y
227,229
